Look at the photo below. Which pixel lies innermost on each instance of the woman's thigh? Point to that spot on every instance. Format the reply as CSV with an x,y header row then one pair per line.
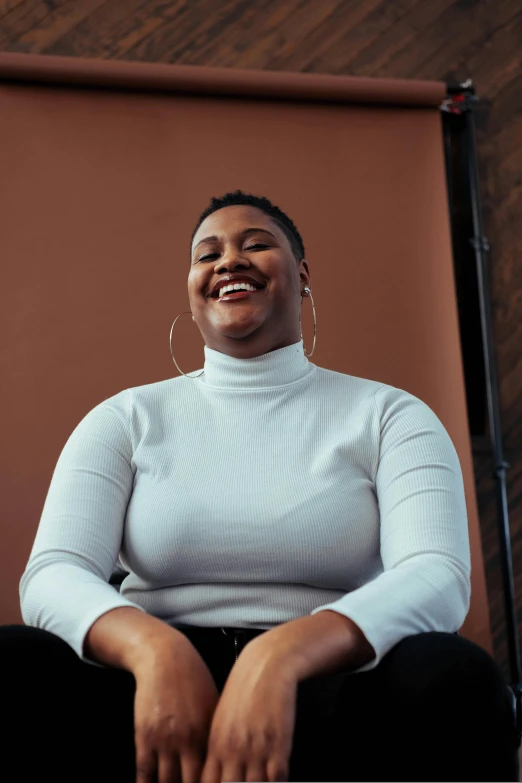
x,y
64,719
435,708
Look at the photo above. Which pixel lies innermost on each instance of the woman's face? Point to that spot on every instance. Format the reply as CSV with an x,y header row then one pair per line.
x,y
226,244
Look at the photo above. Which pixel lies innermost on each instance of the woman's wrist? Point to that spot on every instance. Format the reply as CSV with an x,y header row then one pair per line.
x,y
313,645
160,649
127,638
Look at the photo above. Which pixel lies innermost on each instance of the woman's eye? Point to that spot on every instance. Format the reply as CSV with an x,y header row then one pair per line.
x,y
212,255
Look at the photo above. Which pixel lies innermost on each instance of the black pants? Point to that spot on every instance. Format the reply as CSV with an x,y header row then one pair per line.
x,y
436,708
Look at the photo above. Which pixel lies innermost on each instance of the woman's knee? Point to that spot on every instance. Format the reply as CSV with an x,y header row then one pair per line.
x,y
437,654
446,668
51,696
38,662
21,643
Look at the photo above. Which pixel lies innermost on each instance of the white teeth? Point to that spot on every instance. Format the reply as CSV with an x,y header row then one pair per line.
x,y
236,287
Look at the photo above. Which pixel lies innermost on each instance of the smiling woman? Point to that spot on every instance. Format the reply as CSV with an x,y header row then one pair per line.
x,y
245,238
305,529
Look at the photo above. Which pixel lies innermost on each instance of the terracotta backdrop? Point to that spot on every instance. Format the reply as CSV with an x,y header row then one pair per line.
x,y
106,166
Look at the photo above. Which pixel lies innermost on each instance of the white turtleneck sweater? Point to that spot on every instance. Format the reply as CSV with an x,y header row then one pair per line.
x,y
264,490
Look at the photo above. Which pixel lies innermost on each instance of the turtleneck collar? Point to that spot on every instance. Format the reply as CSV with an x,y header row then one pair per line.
x,y
275,368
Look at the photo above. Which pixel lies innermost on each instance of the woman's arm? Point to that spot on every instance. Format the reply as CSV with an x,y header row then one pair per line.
x,y
127,638
64,588
424,540
323,643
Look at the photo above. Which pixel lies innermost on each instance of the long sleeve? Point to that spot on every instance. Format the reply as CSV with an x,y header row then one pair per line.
x,y
424,540
64,588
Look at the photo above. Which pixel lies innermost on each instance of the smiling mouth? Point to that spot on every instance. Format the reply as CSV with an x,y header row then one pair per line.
x,y
237,295
232,296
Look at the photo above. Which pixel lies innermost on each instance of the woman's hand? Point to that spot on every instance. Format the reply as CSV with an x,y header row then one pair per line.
x,y
173,707
253,726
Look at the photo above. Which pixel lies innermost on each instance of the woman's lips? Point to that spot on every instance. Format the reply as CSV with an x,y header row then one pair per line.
x,y
237,295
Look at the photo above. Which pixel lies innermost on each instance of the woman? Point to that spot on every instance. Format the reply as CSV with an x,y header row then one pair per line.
x,y
297,557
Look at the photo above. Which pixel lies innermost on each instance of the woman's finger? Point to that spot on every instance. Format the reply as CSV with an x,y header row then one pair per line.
x,y
169,768
191,768
212,771
234,771
277,770
255,772
146,765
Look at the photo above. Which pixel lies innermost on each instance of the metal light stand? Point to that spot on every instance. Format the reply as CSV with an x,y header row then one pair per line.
x,y
461,100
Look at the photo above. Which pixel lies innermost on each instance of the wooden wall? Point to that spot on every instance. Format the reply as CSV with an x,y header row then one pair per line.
x,y
449,40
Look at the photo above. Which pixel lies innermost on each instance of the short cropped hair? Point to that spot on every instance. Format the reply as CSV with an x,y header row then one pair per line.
x,y
278,216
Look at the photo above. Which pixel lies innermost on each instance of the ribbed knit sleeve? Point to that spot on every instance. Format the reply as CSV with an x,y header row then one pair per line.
x,y
64,588
424,538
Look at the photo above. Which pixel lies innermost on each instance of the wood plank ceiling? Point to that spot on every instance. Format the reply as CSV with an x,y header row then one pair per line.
x,y
449,40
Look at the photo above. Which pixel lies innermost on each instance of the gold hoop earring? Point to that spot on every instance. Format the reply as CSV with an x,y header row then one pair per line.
x,y
308,291
170,343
